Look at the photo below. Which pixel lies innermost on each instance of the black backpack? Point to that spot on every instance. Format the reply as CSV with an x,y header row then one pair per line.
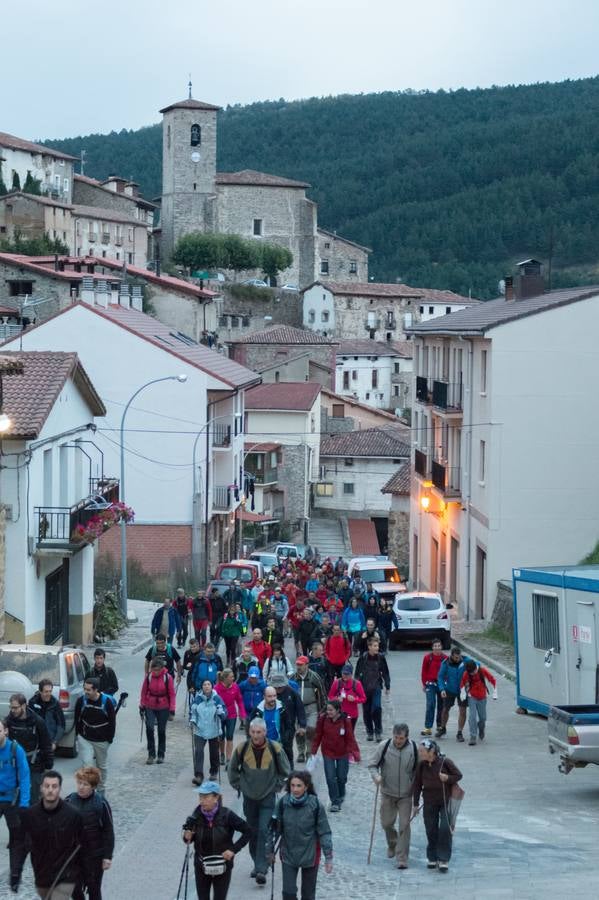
x,y
384,753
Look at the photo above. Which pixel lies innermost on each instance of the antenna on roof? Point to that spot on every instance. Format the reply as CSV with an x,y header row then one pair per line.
x,y
189,85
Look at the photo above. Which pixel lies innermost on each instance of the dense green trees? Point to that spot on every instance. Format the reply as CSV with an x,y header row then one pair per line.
x,y
449,188
198,251
35,246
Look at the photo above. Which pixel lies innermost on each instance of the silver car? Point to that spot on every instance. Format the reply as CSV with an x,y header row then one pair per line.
x,y
22,667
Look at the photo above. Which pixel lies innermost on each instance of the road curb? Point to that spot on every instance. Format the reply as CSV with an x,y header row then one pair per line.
x,y
484,657
141,646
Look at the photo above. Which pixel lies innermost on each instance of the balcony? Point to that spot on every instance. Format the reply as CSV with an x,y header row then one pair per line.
x,y
265,476
390,323
221,498
118,240
423,394
91,237
105,237
221,436
421,464
447,479
54,525
372,324
448,398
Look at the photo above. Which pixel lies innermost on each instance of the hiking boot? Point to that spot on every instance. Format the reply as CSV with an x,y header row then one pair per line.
x,y
253,873
159,760
150,761
222,759
335,807
426,731
260,878
369,737
441,731
430,864
472,742
402,865
459,737
378,736
443,867
197,779
390,851
481,732
15,881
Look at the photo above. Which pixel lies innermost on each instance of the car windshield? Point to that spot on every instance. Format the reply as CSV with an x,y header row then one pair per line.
x,y
34,665
287,551
232,572
376,576
418,604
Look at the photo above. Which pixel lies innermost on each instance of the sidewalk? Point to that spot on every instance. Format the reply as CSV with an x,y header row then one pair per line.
x,y
471,637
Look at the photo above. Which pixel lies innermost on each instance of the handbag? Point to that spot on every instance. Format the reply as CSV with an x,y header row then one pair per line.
x,y
213,866
452,805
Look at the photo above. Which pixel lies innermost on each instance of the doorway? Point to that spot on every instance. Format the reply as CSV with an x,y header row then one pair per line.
x,y
454,552
57,605
434,579
480,584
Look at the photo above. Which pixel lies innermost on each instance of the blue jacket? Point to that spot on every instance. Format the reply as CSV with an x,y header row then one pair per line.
x,y
252,693
206,668
353,620
13,767
449,677
206,715
174,622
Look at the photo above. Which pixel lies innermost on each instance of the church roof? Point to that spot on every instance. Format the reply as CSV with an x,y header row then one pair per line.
x,y
190,104
258,179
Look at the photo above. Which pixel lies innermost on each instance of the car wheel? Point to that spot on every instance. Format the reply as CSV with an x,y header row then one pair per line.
x,y
446,640
69,752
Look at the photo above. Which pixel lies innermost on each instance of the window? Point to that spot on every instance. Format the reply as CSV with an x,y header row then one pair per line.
x,y
312,423
195,136
277,377
346,381
311,317
324,316
324,267
130,234
130,259
222,321
545,622
234,322
396,390
482,462
257,227
348,462
368,395
422,310
483,371
324,489
245,321
327,245
447,310
168,137
431,310
375,378
348,487
353,267
20,288
396,368
389,318
338,410
65,185
354,375
57,182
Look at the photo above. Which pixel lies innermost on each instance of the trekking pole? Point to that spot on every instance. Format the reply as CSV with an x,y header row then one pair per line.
x,y
142,715
183,870
376,800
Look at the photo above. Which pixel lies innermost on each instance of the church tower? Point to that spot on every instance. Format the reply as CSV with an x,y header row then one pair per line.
x,y
188,170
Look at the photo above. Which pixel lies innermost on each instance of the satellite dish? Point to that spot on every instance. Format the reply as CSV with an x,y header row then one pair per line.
x,y
195,156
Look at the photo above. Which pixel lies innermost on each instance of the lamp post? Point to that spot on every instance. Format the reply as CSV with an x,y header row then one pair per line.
x,y
181,379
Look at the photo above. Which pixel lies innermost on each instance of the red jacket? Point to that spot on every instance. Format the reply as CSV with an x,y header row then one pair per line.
x,y
352,687
294,615
262,651
158,691
333,604
475,685
335,738
321,594
337,649
430,666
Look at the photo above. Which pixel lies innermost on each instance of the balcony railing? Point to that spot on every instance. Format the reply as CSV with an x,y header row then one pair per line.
x,y
105,237
221,435
447,479
221,497
421,463
265,476
422,389
8,331
54,525
92,237
448,396
372,324
118,240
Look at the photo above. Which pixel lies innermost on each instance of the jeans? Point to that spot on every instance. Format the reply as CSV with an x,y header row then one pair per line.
x,y
433,700
438,832
258,814
198,755
95,753
182,633
215,628
391,808
309,876
199,630
231,645
156,718
219,883
477,710
371,712
17,846
335,772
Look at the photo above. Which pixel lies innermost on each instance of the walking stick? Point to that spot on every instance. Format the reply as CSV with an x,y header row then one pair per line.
x,y
142,715
183,871
376,800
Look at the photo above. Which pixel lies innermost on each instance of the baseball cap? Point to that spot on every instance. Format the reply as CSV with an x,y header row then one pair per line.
x,y
253,672
209,787
302,660
346,669
277,680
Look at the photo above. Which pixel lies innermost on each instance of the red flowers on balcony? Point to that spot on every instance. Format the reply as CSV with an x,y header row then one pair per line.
x,y
100,522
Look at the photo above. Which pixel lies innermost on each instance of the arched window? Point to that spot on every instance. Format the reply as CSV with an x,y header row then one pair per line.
x,y
196,135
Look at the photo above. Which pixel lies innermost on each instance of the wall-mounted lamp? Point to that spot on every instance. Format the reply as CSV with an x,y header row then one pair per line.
x,y
425,505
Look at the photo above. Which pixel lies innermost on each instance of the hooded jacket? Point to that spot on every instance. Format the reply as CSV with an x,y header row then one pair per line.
x,y
54,834
206,715
450,675
304,830
252,692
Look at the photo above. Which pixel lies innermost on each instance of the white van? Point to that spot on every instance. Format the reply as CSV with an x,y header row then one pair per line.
x,y
378,571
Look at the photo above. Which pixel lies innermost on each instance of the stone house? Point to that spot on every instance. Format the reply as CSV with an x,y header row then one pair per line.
x,y
116,194
377,373
53,169
343,413
284,353
52,479
341,259
398,487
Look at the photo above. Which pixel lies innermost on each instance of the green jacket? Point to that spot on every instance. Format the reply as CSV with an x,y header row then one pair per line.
x,y
304,830
258,783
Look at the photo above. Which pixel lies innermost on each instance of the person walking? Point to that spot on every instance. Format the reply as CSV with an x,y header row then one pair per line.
x,y
308,631
207,666
313,696
207,713
182,604
349,692
15,785
95,723
475,682
372,670
229,693
109,683
431,664
300,823
449,680
190,658
261,650
29,730
252,690
337,651
434,776
219,607
172,660
165,621
54,830
245,661
277,664
233,626
393,767
293,714
47,707
98,832
201,616
157,702
353,623
335,736
258,770
211,828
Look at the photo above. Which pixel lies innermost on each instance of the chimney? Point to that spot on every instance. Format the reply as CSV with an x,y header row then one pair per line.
x,y
529,279
124,296
87,289
509,288
137,297
102,293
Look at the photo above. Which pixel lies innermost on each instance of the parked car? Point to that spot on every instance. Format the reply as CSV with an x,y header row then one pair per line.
x,y
291,287
22,666
268,560
256,282
421,616
221,586
286,551
574,734
378,571
247,571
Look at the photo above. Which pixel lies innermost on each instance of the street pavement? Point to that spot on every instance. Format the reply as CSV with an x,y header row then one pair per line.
x,y
524,828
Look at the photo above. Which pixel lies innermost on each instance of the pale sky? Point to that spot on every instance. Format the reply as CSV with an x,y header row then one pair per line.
x,y
75,68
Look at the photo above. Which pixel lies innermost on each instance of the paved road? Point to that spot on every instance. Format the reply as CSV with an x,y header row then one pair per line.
x,y
524,828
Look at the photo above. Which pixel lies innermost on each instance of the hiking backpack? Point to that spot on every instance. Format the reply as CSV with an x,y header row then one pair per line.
x,y
384,753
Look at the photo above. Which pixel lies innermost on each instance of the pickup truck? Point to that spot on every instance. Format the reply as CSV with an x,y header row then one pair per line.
x,y
574,734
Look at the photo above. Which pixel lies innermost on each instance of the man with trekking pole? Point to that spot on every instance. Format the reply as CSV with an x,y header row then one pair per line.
x,y
392,767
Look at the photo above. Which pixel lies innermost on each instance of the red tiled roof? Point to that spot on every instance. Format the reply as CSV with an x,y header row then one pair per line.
x,y
249,516
17,143
372,410
258,179
36,198
28,398
404,348
169,281
284,334
400,482
362,537
367,442
295,396
374,289
267,447
190,104
44,265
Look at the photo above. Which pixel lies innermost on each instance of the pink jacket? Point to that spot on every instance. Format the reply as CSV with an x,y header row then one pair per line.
x,y
232,699
158,692
339,691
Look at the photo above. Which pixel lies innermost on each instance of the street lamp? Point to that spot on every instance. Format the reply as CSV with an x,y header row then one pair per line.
x,y
181,379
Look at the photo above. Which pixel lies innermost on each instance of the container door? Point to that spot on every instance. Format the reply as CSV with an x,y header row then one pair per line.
x,y
584,635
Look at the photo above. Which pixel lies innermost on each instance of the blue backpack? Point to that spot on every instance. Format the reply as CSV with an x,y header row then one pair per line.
x,y
106,698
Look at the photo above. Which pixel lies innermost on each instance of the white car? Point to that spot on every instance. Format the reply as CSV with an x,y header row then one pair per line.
x,y
378,571
256,282
421,616
268,560
291,287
